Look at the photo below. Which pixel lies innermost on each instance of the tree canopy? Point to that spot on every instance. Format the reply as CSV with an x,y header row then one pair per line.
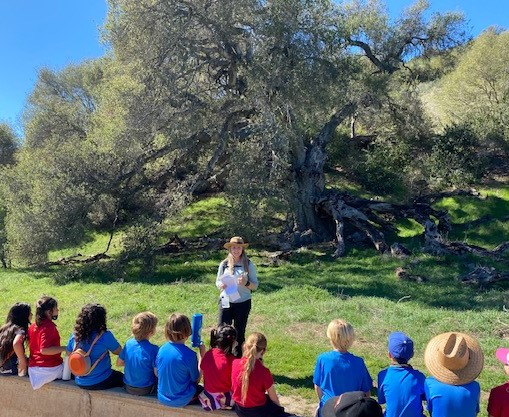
x,y
258,99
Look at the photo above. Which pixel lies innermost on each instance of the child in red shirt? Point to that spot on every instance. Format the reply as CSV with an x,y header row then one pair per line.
x,y
498,403
252,383
216,367
45,361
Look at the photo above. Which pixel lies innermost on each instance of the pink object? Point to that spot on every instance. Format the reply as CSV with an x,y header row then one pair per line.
x,y
503,355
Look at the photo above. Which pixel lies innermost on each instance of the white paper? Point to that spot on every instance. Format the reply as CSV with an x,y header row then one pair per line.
x,y
231,286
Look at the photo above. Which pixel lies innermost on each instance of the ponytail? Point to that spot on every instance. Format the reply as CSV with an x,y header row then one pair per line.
x,y
43,305
256,342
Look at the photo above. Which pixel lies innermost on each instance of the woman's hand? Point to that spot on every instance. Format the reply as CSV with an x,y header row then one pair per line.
x,y
222,287
242,279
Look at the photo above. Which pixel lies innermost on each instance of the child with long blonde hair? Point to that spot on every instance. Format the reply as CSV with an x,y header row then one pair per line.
x,y
252,383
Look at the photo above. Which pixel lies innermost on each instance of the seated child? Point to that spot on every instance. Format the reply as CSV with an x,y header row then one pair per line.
x,y
12,340
498,403
45,363
454,360
400,385
338,370
177,365
139,356
252,384
91,325
216,366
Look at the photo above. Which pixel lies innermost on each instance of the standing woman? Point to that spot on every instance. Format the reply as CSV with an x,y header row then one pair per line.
x,y
12,340
236,311
45,361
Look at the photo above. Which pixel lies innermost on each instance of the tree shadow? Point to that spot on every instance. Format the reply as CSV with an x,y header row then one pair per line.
x,y
361,272
303,382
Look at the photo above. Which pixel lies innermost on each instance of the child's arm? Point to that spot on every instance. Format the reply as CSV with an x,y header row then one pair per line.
x,y
155,372
319,392
203,350
53,350
273,395
120,362
19,350
117,350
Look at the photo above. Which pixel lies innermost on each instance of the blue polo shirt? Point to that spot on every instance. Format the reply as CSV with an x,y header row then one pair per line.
x,y
177,371
402,389
102,371
139,357
337,372
452,400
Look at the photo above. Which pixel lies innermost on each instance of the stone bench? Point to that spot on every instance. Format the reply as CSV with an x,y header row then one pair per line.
x,y
65,399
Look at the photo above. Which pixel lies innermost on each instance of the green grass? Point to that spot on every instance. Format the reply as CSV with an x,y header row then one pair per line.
x,y
297,300
202,218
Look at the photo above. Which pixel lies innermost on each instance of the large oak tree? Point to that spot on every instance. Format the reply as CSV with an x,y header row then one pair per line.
x,y
244,96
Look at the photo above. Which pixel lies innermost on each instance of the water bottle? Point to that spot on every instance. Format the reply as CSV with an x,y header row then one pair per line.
x,y
66,375
196,335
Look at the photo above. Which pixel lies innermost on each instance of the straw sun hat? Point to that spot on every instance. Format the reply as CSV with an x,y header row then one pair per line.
x,y
237,241
454,358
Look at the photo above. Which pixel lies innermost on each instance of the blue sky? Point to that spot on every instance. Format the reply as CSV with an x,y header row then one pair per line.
x,y
55,33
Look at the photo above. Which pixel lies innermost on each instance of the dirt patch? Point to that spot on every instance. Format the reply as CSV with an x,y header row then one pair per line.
x,y
299,406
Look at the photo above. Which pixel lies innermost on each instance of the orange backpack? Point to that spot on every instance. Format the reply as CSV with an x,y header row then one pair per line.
x,y
79,360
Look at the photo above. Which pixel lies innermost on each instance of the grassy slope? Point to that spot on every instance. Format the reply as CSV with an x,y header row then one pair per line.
x,y
297,300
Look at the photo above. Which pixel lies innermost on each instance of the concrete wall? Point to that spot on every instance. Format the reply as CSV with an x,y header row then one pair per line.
x,y
65,399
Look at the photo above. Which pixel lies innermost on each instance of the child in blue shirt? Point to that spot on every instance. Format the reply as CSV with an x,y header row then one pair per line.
x,y
338,370
177,365
139,356
400,386
91,324
454,360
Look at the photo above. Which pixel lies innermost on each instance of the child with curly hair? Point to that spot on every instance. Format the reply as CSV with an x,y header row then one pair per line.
x,y
91,326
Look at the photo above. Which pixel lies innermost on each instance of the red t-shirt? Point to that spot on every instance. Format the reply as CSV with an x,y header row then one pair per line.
x,y
498,404
44,336
260,380
217,370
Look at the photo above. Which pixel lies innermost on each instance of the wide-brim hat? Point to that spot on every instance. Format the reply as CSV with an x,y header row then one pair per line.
x,y
236,241
454,358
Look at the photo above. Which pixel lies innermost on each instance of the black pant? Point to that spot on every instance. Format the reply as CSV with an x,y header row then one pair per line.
x,y
237,315
269,409
116,379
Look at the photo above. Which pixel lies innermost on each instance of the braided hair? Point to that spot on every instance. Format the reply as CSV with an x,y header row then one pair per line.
x,y
255,343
